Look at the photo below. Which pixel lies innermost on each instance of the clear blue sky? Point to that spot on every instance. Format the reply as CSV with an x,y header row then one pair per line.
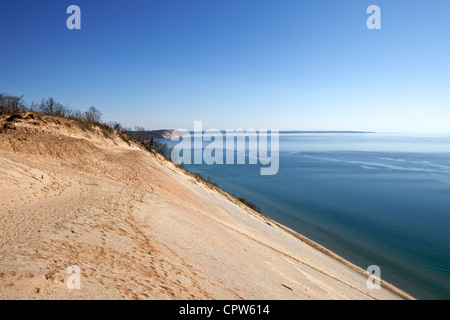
x,y
306,65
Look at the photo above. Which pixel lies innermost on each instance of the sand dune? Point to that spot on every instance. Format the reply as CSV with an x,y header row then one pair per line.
x,y
138,227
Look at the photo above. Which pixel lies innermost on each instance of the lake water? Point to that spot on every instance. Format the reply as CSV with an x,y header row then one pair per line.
x,y
374,199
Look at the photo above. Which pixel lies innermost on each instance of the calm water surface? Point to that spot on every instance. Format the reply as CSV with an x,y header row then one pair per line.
x,y
378,199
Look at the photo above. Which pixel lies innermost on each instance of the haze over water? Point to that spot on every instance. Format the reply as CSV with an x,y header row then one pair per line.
x,y
374,199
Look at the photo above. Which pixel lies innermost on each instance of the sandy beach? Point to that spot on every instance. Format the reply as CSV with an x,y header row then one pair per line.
x,y
138,227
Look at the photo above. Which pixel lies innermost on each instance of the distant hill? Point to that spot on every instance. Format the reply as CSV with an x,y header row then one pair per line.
x,y
157,134
167,133
291,131
161,134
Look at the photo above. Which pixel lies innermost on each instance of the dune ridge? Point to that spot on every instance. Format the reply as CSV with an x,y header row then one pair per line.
x,y
139,227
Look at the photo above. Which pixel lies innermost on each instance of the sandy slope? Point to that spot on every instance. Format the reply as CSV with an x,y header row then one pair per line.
x,y
140,228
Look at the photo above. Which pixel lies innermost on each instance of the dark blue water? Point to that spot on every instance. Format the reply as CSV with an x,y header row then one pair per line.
x,y
374,199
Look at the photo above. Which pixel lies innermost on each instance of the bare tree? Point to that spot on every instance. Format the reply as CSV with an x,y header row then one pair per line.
x,y
47,106
161,148
93,115
2,104
74,114
53,108
11,104
141,135
33,107
60,110
115,126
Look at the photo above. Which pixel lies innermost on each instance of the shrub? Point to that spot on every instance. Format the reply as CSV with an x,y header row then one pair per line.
x,y
53,108
250,204
141,135
115,126
93,115
11,104
160,148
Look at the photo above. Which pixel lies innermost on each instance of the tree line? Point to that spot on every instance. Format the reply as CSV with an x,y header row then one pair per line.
x,y
10,105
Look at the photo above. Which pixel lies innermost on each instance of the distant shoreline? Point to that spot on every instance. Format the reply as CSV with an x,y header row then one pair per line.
x,y
294,132
165,133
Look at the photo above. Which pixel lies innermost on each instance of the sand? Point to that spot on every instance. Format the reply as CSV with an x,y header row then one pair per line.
x,y
139,227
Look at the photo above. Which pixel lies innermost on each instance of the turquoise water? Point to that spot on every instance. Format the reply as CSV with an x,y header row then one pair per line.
x,y
372,198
